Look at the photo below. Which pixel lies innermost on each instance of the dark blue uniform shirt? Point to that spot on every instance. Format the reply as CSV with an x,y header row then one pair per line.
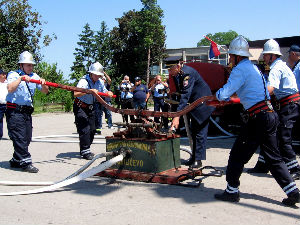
x,y
192,87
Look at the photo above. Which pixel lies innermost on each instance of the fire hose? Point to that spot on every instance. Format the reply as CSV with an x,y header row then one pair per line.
x,y
75,177
209,100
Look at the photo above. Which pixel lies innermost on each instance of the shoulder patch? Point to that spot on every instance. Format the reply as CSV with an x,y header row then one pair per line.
x,y
186,78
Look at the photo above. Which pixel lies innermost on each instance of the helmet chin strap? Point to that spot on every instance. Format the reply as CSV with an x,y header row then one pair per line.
x,y
270,60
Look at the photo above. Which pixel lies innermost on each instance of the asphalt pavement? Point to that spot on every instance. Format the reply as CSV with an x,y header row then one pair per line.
x,y
99,200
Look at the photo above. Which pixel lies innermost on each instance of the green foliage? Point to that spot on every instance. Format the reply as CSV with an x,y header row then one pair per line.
x,y
102,49
57,95
138,40
21,29
221,38
83,53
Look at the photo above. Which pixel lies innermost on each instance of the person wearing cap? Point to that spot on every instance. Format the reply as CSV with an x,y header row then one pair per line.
x,y
19,107
100,109
159,89
191,86
83,108
282,84
140,94
126,97
3,93
259,129
294,61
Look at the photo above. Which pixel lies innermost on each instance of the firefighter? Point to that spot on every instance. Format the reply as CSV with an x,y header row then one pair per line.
x,y
19,107
259,128
294,60
83,108
282,84
191,87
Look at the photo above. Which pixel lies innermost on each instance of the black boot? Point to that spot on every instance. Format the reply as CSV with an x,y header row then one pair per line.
x,y
30,169
292,199
227,197
295,173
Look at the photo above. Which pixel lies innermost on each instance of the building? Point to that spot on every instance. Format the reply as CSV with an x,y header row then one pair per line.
x,y
256,47
200,54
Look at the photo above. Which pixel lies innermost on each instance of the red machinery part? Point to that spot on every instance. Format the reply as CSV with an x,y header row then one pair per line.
x,y
66,87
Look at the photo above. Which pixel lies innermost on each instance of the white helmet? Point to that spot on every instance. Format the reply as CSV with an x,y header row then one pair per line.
x,y
239,46
271,47
96,68
26,57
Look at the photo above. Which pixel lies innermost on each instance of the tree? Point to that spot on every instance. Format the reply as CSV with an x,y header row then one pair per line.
x,y
84,54
153,32
102,49
138,41
21,30
50,73
125,46
221,38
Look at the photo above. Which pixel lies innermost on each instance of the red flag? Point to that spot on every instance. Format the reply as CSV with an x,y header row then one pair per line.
x,y
214,49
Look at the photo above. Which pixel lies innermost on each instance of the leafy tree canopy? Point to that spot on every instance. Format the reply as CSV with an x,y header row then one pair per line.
x,y
221,38
23,31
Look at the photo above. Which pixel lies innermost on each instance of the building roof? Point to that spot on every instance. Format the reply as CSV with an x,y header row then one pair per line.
x,y
283,42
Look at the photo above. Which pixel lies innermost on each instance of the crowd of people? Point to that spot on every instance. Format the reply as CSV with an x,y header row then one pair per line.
x,y
266,125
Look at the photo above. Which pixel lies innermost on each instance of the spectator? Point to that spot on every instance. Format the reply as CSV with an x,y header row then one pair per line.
x,y
100,108
159,89
140,94
126,97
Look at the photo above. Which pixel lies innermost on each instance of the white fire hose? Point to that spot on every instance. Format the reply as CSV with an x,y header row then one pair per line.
x,y
75,177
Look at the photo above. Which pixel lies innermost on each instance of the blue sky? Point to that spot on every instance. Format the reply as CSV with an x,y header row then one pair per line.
x,y
186,21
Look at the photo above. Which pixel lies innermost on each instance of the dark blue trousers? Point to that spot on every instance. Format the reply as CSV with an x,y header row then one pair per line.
x,y
288,116
99,114
159,104
127,104
199,136
2,112
85,124
260,130
19,126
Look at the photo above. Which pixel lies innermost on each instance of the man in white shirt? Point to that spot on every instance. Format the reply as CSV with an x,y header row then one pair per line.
x,y
3,93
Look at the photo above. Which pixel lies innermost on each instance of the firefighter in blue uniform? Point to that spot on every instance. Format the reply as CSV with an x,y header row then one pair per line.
x,y
19,104
83,108
294,61
191,87
259,128
282,83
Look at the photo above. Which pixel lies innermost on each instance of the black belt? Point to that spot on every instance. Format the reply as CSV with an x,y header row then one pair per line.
x,y
259,107
291,98
21,108
83,105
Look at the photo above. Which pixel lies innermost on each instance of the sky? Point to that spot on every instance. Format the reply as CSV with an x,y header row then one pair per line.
x,y
186,21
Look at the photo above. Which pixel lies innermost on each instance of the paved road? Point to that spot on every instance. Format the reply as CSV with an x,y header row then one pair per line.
x,y
103,201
